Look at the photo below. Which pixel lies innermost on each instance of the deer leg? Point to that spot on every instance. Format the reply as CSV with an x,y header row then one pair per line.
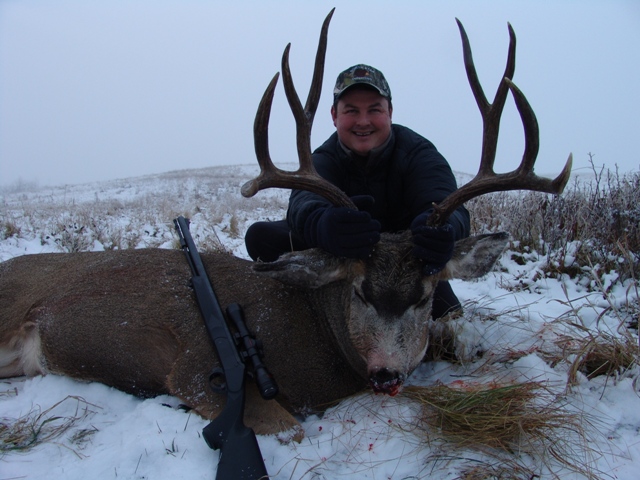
x,y
189,380
190,384
20,354
268,417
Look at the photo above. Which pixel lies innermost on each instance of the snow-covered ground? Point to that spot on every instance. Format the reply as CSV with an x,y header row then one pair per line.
x,y
514,318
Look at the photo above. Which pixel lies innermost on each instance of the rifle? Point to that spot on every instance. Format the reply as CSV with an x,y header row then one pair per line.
x,y
240,456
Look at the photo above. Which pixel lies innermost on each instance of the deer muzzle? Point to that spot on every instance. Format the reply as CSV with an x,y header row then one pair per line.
x,y
384,380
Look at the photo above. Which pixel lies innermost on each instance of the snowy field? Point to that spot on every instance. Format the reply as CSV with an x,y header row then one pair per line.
x,y
515,321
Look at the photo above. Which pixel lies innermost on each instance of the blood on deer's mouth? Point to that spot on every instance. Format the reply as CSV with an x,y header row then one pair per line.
x,y
386,381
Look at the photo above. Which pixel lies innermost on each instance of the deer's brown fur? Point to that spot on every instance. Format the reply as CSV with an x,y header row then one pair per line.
x,y
129,319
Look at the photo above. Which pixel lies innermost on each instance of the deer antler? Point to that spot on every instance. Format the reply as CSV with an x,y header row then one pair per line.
x,y
306,177
486,180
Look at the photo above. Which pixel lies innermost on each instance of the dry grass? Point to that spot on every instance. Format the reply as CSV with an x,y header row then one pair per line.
x,y
11,392
486,471
516,425
598,347
496,416
605,355
136,213
597,353
594,221
37,426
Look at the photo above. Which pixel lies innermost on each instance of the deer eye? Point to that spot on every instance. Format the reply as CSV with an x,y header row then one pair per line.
x,y
360,295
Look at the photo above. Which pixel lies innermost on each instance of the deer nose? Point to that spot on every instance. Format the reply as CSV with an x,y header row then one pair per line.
x,y
384,380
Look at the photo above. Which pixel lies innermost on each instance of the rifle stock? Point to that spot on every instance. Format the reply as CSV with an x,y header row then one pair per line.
x,y
240,456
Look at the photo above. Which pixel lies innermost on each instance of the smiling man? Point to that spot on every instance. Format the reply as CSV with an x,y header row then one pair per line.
x,y
392,174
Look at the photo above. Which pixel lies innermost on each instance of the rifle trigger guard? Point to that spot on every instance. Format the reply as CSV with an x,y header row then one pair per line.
x,y
217,380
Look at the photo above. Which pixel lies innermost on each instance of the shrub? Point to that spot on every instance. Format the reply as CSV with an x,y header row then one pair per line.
x,y
9,229
594,226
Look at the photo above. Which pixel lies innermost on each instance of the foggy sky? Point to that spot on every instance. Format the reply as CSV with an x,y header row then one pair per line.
x,y
97,90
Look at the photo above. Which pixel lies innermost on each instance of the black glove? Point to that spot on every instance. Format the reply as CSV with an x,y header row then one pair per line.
x,y
434,245
343,231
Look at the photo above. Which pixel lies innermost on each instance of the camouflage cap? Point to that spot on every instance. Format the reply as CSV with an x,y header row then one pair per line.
x,y
361,74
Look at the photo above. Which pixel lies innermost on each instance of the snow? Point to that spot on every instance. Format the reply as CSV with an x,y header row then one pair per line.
x,y
512,317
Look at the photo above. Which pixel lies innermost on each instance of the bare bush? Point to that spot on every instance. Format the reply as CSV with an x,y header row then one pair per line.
x,y
593,226
8,229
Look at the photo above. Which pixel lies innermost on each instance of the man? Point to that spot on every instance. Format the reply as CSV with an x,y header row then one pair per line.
x,y
391,173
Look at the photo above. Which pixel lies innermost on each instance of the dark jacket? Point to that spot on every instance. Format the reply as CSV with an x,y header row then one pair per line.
x,y
405,177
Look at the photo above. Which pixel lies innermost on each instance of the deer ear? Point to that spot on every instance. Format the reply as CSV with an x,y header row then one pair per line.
x,y
474,256
308,268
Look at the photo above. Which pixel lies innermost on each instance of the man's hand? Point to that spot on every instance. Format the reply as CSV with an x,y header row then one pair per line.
x,y
434,245
343,231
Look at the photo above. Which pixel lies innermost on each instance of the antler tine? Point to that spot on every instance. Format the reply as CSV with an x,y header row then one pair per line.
x,y
304,118
313,99
486,180
490,112
530,181
306,177
261,134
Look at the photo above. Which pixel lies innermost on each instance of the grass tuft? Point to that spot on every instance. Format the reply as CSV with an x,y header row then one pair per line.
x,y
496,416
518,425
37,426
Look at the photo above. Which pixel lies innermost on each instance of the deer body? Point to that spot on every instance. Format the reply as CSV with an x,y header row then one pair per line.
x,y
129,319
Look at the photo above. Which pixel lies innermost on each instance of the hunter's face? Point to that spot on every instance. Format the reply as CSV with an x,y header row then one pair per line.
x,y
363,119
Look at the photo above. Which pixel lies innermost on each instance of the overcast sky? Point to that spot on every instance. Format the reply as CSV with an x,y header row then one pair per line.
x,y
96,90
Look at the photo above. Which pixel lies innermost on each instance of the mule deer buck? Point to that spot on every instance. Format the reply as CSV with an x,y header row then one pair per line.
x,y
329,325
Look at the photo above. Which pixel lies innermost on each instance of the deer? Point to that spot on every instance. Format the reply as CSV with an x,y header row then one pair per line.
x,y
330,327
